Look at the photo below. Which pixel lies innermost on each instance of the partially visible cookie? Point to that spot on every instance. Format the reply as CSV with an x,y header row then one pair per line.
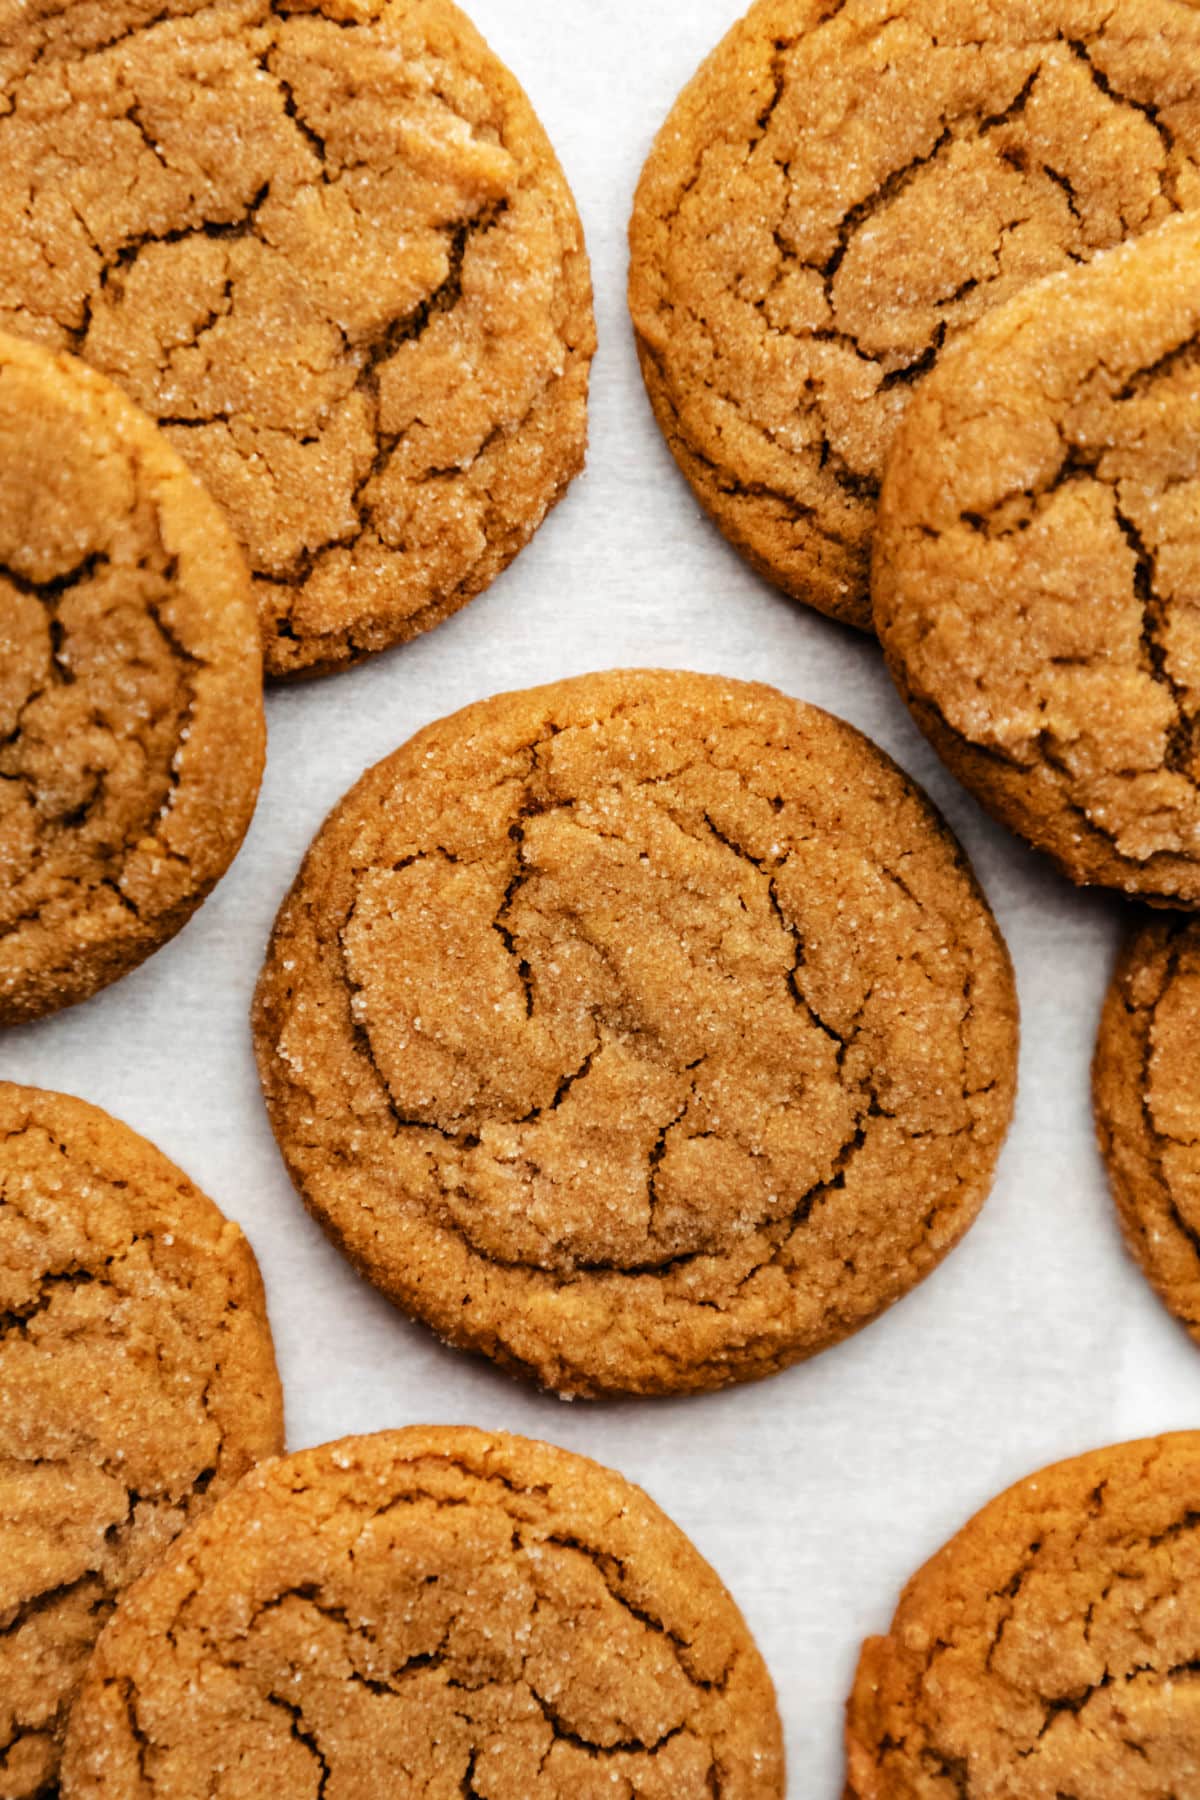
x,y
1038,560
430,1611
137,1384
329,247
845,186
1049,1650
1146,1088
131,716
646,1032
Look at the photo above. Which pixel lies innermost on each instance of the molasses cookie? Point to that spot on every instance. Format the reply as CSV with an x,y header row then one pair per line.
x,y
131,718
1050,1648
328,246
1037,562
137,1383
843,187
1147,1100
430,1611
646,1032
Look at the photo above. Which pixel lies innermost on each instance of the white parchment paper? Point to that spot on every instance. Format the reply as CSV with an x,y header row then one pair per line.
x,y
817,1493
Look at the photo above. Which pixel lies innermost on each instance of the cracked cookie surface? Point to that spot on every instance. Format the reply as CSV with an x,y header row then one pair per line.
x,y
328,246
846,185
131,715
1051,1649
137,1384
646,1032
430,1611
1037,566
1147,1106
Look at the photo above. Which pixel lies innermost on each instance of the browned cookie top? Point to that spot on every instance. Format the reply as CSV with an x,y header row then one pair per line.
x,y
137,1382
327,245
433,1612
1038,560
131,719
842,188
1050,1650
646,1032
1147,1098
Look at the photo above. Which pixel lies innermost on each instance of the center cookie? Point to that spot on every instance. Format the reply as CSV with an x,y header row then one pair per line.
x,y
429,1612
842,188
327,245
646,1032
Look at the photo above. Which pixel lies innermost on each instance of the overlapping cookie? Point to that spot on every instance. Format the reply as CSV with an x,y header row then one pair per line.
x,y
842,189
1037,565
430,1611
131,715
329,248
137,1382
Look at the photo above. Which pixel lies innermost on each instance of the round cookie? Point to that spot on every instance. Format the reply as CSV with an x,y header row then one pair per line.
x,y
430,1611
137,1383
1037,559
327,245
131,716
842,188
646,1032
1147,1105
1050,1648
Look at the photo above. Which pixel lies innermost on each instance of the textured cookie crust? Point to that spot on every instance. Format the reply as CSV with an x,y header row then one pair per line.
x,y
137,1383
430,1611
328,246
1051,1648
843,187
1037,563
1147,1103
646,1032
131,717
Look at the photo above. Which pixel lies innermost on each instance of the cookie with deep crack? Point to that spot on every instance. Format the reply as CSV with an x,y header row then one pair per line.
x,y
646,1032
326,244
1049,1648
843,187
137,1384
131,715
1037,558
430,1611
1147,1105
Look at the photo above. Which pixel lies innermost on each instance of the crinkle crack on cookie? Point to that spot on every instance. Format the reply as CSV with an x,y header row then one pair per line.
x,y
1051,1648
646,1032
1037,564
131,715
137,1384
327,245
429,1611
1147,1102
842,189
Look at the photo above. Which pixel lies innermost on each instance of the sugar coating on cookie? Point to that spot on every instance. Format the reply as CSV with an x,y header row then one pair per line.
x,y
430,1611
137,1384
328,246
1037,564
131,717
646,1032
1146,1090
1050,1648
843,187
